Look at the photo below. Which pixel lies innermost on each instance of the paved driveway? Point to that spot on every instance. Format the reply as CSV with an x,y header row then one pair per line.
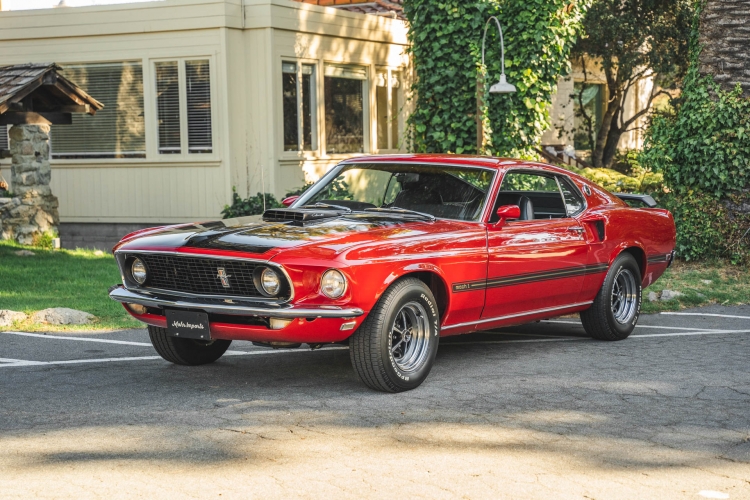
x,y
538,411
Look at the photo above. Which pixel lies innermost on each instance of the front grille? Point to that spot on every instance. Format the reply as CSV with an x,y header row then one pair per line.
x,y
201,276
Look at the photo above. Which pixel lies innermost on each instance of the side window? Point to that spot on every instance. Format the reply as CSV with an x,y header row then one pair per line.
x,y
574,203
537,194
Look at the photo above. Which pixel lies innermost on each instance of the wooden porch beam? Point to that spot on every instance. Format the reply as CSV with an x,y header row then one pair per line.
x,y
31,118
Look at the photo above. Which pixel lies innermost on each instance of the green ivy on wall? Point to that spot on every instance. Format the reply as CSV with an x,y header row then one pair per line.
x,y
446,44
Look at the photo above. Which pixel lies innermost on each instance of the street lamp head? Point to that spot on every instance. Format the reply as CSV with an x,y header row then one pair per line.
x,y
502,87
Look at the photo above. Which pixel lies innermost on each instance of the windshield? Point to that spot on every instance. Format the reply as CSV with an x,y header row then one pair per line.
x,y
443,192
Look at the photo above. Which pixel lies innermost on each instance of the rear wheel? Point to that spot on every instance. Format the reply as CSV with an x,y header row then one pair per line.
x,y
617,306
393,350
186,351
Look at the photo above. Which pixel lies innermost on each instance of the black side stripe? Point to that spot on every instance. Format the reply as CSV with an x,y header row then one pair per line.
x,y
655,259
521,279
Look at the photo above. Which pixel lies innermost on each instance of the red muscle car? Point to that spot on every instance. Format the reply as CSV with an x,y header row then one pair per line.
x,y
389,253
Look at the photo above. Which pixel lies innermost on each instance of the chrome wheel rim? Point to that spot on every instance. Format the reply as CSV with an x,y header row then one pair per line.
x,y
624,296
410,337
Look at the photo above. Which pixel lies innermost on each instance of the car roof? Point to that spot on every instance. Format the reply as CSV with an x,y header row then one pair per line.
x,y
493,162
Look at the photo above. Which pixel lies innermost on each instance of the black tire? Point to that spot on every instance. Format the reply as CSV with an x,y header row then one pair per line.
x,y
602,320
407,302
187,352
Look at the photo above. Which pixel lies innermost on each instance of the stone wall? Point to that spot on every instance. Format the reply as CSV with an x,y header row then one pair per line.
x,y
33,209
725,36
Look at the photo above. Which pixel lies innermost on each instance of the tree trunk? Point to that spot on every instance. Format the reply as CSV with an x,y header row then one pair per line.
x,y
723,35
601,138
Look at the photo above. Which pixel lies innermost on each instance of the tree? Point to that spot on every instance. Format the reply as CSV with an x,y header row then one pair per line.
x,y
446,40
631,41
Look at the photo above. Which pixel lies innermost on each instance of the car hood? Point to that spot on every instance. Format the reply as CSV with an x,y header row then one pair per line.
x,y
248,235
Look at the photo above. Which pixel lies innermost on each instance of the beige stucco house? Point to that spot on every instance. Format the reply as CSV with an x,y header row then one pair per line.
x,y
202,96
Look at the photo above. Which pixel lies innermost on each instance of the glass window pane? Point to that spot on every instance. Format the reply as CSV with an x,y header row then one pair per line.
x,y
198,91
519,181
381,94
445,192
289,93
573,199
168,107
117,130
587,100
394,118
344,115
308,94
523,188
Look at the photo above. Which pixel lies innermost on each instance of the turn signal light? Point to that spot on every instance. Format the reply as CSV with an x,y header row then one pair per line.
x,y
278,323
137,308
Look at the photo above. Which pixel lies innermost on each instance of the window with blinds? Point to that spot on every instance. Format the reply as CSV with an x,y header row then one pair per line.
x,y
198,91
184,87
168,107
118,130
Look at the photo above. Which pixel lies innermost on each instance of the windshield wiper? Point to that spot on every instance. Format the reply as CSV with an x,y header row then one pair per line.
x,y
402,211
327,205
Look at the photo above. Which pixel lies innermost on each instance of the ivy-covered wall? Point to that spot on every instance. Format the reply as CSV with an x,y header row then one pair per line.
x,y
446,37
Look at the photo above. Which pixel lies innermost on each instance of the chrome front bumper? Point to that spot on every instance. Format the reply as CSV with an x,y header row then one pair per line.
x,y
121,294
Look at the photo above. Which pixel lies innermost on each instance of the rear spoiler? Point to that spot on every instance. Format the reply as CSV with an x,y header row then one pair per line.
x,y
635,199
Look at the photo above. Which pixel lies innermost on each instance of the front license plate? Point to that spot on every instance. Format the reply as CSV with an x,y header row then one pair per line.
x,y
188,325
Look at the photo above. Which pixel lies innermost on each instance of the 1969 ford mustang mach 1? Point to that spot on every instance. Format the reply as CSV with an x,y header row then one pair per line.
x,y
389,253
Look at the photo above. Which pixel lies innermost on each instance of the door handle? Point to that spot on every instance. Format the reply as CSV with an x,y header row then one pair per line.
x,y
576,229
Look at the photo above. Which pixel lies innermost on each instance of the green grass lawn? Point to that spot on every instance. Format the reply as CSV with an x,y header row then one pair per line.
x,y
713,282
77,279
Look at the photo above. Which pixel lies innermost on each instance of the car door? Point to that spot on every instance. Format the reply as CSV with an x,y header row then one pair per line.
x,y
538,262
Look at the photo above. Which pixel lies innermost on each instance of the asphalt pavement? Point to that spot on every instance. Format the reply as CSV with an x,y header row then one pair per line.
x,y
535,411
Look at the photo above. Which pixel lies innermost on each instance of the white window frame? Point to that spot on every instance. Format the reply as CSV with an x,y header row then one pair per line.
x,y
315,103
367,113
318,104
152,137
390,148
315,108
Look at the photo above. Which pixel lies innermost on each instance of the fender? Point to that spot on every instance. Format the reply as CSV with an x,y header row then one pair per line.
x,y
632,244
412,268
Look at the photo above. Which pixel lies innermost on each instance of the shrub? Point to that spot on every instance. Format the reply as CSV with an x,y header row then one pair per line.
x,y
640,180
252,205
299,190
45,240
708,226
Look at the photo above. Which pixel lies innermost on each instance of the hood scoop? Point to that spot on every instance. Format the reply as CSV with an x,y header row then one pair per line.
x,y
300,216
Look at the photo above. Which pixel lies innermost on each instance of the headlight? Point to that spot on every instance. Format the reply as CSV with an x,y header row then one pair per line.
x,y
269,282
138,271
333,284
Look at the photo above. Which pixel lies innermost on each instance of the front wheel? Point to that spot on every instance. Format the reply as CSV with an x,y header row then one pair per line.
x,y
394,348
616,308
186,351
